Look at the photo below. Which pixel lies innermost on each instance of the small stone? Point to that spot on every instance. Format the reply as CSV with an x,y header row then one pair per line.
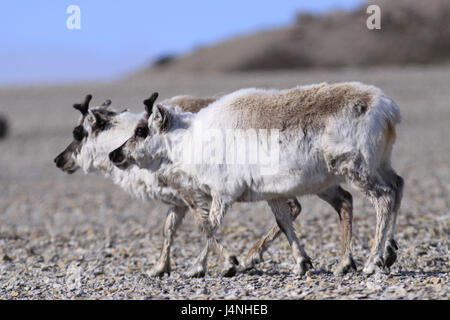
x,y
14,294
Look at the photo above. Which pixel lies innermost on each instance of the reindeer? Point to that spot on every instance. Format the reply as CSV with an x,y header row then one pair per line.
x,y
328,134
100,130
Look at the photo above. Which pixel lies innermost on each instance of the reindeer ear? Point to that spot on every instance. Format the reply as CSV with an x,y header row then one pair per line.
x,y
91,118
161,118
149,102
83,107
158,115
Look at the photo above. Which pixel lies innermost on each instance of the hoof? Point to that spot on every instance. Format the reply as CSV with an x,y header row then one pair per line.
x,y
374,265
304,265
196,272
251,262
158,271
230,268
390,254
229,272
345,267
253,257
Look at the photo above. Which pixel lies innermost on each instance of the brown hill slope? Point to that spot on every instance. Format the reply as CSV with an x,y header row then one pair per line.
x,y
412,32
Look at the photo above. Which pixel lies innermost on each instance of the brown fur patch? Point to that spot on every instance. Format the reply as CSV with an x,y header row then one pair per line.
x,y
389,137
190,103
303,107
186,103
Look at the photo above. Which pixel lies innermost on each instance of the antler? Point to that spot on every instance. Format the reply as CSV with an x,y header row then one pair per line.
x,y
107,103
149,102
83,107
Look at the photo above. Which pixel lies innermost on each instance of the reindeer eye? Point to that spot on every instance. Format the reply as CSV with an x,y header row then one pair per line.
x,y
78,133
101,124
141,132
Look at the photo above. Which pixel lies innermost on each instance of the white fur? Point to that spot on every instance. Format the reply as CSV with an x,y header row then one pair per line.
x,y
94,157
302,160
305,161
141,183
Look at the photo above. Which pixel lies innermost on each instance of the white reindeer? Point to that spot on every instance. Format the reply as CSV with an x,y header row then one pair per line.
x,y
100,130
328,134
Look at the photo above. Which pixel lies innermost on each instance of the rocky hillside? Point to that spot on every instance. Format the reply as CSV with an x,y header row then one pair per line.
x,y
412,32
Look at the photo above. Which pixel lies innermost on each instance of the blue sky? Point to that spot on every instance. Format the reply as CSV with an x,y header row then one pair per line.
x,y
119,36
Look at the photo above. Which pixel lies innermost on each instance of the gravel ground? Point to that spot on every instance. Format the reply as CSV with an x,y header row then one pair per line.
x,y
81,237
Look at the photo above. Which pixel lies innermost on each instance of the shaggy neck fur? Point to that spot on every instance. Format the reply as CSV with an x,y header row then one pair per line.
x,y
141,183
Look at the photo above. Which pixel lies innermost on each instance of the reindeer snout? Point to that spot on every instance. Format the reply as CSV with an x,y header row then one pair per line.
x,y
59,160
116,156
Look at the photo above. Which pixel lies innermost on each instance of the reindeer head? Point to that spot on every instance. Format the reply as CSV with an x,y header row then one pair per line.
x,y
126,155
98,131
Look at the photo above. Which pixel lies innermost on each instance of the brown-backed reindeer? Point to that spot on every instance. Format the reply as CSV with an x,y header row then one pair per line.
x,y
325,134
336,196
100,130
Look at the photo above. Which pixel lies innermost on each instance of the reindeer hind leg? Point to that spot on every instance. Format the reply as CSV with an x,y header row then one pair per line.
x,y
280,209
353,167
255,254
397,183
342,201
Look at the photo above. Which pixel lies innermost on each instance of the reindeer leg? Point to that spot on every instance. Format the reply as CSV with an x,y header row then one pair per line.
x,y
397,183
230,262
353,167
255,254
174,218
209,222
280,209
342,202
199,268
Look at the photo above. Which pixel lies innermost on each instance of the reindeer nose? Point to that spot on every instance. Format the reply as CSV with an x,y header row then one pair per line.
x,y
116,156
59,161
